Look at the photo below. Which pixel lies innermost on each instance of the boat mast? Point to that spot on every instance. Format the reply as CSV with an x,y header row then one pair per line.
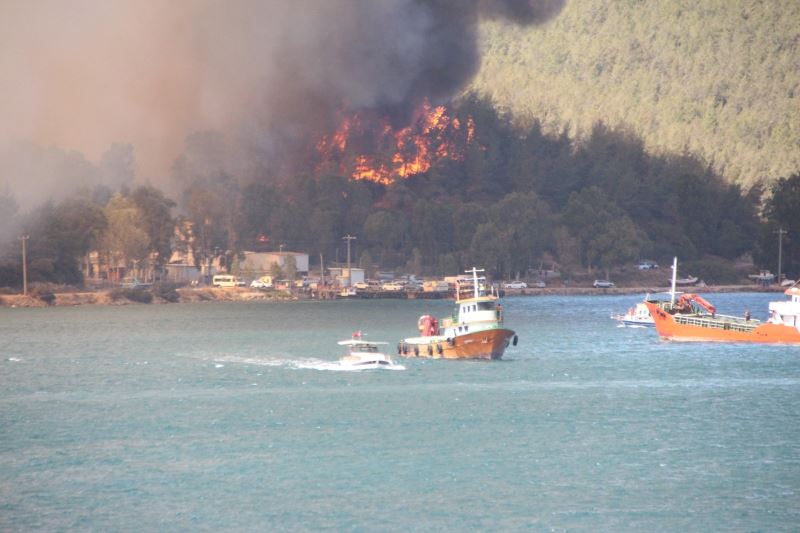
x,y
474,273
674,278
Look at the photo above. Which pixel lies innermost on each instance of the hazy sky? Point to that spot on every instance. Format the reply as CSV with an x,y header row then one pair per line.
x,y
85,73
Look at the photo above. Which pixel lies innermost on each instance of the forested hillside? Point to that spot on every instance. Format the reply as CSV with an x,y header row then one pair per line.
x,y
718,78
516,200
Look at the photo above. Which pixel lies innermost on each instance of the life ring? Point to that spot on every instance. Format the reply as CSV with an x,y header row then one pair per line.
x,y
514,342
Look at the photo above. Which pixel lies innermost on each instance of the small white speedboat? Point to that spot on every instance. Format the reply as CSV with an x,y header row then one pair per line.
x,y
636,316
365,355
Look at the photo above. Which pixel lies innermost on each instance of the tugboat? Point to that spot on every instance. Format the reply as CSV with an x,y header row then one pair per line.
x,y
475,331
693,318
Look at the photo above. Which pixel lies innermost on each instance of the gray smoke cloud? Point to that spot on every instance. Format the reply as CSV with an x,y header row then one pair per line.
x,y
79,76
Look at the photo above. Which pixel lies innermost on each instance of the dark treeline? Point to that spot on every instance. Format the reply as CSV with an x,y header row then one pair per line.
x,y
518,199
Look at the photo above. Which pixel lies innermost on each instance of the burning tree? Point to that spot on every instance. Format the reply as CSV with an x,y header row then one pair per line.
x,y
368,148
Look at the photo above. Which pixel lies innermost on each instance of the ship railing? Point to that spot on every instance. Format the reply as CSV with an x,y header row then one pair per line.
x,y
674,311
716,323
476,326
739,319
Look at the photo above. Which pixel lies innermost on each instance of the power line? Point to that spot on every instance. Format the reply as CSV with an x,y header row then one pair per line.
x,y
349,238
781,232
24,239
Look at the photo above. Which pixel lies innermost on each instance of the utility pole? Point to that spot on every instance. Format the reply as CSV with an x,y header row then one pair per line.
x,y
348,238
781,232
24,239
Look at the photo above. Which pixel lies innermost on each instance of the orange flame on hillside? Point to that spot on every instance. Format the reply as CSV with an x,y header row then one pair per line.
x,y
366,150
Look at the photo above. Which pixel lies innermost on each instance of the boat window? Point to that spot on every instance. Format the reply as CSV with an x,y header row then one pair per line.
x,y
485,306
364,348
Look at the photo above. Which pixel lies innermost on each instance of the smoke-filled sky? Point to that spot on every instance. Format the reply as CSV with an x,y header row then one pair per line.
x,y
81,75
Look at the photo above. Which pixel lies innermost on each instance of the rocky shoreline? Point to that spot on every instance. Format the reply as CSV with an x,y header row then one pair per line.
x,y
107,297
210,294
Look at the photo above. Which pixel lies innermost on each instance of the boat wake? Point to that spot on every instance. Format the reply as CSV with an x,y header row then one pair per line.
x,y
293,364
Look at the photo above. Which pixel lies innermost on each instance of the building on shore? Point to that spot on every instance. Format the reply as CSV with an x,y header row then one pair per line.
x,y
182,273
259,263
343,278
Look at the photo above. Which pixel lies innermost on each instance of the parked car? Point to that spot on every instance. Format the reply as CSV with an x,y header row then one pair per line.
x,y
647,265
361,285
515,285
602,284
392,287
540,284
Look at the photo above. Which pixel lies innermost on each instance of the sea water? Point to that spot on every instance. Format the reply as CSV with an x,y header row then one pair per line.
x,y
233,417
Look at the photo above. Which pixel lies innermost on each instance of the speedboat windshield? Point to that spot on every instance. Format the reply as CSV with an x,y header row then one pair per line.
x,y
370,348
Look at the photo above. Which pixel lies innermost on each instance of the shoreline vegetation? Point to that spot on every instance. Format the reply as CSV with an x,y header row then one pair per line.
x,y
212,294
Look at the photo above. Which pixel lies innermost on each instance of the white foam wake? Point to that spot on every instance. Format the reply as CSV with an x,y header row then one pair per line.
x,y
298,364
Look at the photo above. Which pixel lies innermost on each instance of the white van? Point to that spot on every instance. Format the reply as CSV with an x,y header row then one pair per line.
x,y
224,280
264,282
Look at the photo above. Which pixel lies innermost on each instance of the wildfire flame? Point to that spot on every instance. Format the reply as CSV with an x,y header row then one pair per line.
x,y
375,151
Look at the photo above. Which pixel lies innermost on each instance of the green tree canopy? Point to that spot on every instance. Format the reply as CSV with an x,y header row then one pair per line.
x,y
60,236
490,248
125,239
156,219
782,212
588,214
528,223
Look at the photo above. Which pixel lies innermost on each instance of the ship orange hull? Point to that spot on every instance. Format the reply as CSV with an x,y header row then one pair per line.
x,y
489,344
767,332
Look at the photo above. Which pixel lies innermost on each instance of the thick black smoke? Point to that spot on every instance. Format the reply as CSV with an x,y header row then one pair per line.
x,y
385,56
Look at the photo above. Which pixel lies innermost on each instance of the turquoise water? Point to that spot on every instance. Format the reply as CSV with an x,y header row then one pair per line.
x,y
230,417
